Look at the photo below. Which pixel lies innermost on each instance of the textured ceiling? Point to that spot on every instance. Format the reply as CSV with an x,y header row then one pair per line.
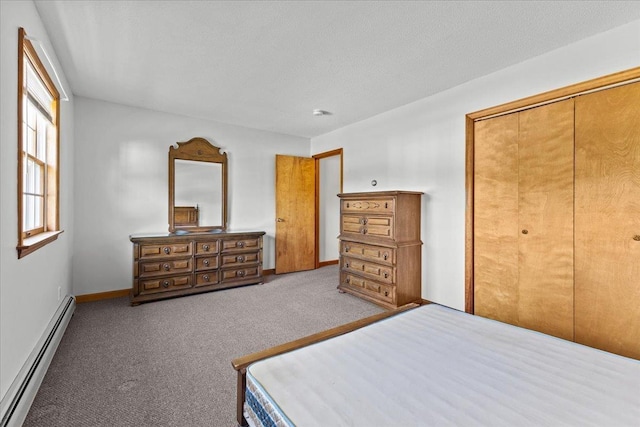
x,y
267,65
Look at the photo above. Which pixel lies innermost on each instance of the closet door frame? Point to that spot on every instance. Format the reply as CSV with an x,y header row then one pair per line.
x,y
601,83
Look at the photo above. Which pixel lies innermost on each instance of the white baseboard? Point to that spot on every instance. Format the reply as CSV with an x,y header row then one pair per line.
x,y
18,399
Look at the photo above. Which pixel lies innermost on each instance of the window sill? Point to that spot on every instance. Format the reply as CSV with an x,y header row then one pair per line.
x,y
34,243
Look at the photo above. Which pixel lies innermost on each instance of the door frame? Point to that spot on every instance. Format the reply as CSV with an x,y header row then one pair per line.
x,y
601,83
317,158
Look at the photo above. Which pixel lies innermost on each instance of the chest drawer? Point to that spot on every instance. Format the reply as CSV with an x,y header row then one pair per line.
x,y
373,226
165,267
150,286
204,248
239,259
384,206
369,287
206,262
240,274
207,278
165,250
382,273
370,252
240,244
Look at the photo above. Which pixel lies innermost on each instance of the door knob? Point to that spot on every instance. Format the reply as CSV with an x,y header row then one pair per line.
x,y
280,219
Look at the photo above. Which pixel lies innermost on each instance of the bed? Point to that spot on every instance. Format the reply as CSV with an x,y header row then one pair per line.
x,y
433,365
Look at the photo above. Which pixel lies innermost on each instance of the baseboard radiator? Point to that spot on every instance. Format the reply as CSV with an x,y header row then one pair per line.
x,y
16,403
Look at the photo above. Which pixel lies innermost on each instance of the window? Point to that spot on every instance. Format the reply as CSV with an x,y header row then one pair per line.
x,y
38,150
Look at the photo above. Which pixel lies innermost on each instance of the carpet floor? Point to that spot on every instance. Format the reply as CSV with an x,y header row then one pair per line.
x,y
168,363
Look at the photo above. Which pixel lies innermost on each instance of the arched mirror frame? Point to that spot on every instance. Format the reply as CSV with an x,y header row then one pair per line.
x,y
200,150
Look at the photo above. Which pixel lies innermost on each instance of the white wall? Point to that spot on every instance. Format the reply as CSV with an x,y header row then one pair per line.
x,y
28,286
122,186
421,146
329,220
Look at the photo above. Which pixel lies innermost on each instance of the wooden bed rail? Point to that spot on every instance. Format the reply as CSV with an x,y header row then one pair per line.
x,y
240,364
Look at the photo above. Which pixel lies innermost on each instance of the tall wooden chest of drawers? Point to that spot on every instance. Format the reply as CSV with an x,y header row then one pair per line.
x,y
167,265
380,246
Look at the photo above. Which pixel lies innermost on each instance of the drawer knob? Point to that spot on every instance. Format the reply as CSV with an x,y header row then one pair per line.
x,y
347,204
205,262
240,273
167,267
525,231
386,274
386,293
636,237
346,248
165,283
386,205
205,247
166,250
385,256
364,231
241,244
240,258
346,264
347,280
205,277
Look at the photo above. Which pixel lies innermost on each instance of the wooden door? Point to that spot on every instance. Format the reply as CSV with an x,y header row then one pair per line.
x,y
607,247
545,215
523,219
295,214
496,218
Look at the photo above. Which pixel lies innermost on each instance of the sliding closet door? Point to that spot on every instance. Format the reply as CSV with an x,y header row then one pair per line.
x,y
607,221
495,220
545,272
523,218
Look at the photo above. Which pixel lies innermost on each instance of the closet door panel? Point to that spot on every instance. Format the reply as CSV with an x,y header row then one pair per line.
x,y
496,218
546,155
607,257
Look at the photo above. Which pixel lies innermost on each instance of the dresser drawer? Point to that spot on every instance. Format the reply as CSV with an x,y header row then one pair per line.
x,y
207,278
240,244
370,252
240,274
230,260
382,273
206,262
373,226
369,287
203,248
384,206
165,250
163,268
150,286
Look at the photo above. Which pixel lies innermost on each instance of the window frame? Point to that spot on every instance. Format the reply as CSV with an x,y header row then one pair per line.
x,y
33,239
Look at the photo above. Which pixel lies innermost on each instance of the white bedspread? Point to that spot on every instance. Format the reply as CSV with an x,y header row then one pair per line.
x,y
438,366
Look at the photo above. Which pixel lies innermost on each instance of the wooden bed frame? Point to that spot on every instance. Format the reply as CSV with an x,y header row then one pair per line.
x,y
242,363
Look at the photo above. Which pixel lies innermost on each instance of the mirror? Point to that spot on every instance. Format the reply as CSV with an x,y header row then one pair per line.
x,y
197,187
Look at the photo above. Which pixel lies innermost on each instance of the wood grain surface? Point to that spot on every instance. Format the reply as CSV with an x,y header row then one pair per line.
x,y
496,219
607,219
545,205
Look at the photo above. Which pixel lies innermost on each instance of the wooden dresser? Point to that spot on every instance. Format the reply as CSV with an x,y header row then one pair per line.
x,y
168,265
380,246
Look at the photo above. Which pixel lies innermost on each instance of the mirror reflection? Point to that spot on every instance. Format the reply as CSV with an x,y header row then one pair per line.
x,y
198,193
